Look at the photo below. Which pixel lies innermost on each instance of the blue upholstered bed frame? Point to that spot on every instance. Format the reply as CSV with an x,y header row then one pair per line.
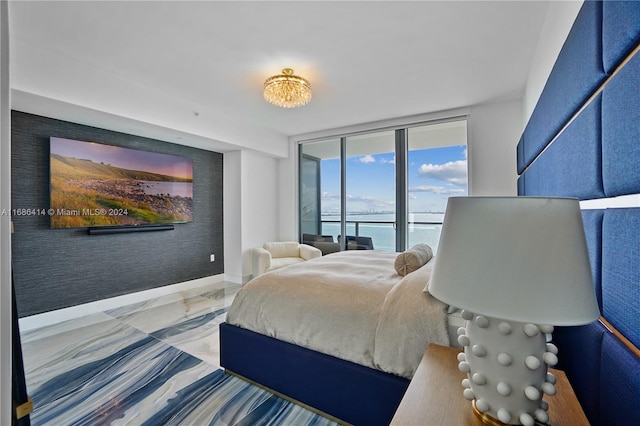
x,y
350,392
583,140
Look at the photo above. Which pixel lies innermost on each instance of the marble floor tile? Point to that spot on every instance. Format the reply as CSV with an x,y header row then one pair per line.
x,y
53,355
197,336
207,291
150,318
224,295
64,326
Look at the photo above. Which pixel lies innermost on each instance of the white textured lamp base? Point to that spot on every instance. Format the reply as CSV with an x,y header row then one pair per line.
x,y
506,365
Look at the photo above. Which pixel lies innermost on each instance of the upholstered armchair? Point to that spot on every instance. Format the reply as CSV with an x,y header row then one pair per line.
x,y
324,242
358,243
275,255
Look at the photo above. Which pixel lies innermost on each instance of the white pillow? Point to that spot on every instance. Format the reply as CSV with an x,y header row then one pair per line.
x,y
412,259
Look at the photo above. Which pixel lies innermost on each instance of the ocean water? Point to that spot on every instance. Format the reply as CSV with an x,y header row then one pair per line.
x,y
423,228
182,189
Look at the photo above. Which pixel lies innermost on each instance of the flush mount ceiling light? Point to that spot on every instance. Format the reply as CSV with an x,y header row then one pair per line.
x,y
287,90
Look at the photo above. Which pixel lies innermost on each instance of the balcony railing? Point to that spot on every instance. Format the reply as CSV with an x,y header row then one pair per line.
x,y
383,233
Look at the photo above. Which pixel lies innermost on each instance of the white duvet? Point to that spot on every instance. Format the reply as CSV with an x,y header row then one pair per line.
x,y
352,305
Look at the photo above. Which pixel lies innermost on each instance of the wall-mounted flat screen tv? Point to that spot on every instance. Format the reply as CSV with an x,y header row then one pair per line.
x,y
94,184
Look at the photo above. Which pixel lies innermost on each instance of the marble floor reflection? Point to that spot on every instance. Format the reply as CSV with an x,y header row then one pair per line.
x,y
154,362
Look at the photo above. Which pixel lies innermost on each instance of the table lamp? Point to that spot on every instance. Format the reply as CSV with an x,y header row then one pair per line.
x,y
515,266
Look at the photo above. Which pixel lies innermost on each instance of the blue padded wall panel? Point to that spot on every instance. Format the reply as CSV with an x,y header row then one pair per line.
x,y
621,131
620,31
579,357
578,71
571,166
621,271
619,384
592,220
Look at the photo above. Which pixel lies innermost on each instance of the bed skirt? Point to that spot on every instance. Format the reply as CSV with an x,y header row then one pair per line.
x,y
350,392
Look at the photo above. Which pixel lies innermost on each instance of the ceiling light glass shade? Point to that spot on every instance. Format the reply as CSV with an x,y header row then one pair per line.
x,y
516,258
287,90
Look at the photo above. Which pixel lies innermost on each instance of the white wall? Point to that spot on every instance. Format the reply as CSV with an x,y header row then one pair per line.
x,y
259,203
232,196
493,133
250,209
5,221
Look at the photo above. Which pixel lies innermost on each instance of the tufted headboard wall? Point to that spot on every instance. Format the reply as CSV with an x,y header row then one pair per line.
x,y
583,140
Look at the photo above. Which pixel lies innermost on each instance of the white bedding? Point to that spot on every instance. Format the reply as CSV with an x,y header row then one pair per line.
x,y
352,305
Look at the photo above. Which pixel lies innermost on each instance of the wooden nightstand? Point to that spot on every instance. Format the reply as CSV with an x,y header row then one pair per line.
x,y
434,396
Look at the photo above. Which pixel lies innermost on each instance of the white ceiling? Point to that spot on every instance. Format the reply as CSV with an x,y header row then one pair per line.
x,y
193,71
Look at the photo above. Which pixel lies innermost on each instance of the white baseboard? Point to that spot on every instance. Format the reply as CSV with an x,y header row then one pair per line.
x,y
238,279
73,312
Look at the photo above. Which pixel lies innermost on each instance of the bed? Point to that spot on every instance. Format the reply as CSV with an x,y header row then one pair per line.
x,y
342,333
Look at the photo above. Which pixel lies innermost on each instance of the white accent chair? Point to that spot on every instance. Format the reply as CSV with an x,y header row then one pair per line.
x,y
275,255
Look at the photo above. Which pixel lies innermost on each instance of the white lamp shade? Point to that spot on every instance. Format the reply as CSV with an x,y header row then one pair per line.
x,y
516,258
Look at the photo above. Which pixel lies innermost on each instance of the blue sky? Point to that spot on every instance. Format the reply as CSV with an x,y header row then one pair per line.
x,y
434,175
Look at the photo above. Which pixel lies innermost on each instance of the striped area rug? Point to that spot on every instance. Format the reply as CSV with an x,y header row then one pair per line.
x,y
236,402
150,383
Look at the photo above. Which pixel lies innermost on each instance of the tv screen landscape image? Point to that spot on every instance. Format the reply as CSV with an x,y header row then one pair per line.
x,y
94,184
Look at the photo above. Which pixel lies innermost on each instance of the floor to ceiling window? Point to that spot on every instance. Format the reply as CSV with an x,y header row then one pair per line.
x,y
370,200
436,170
385,190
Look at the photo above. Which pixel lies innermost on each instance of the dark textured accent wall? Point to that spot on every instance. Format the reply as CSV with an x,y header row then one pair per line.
x,y
58,268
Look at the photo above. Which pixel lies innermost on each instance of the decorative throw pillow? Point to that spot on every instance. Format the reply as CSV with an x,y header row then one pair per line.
x,y
412,259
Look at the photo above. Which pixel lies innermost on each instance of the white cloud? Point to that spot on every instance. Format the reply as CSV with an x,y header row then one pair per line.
x,y
366,198
440,190
367,159
368,203
330,196
454,172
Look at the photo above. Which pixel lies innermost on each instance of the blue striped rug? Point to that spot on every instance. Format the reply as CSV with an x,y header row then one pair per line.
x,y
148,382
237,403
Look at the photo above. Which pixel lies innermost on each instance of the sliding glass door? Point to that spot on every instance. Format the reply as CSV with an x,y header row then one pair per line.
x,y
310,219
385,190
320,193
